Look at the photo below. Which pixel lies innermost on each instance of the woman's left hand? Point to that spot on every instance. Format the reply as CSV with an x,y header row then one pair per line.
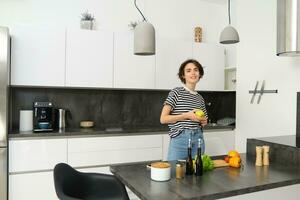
x,y
203,121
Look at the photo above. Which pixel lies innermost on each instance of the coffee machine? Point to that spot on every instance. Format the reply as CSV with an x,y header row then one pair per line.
x,y
43,118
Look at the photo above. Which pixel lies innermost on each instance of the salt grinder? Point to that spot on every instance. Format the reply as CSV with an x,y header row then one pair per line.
x,y
266,150
259,150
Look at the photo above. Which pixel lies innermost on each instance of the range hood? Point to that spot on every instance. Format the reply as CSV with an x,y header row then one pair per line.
x,y
288,28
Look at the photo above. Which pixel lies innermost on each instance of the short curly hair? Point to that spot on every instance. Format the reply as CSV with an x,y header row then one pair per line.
x,y
182,66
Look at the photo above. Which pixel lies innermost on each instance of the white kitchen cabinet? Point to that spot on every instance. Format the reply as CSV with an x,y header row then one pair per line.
x,y
102,170
89,58
212,58
131,71
32,161
230,78
216,142
170,53
95,151
36,155
33,186
37,56
166,141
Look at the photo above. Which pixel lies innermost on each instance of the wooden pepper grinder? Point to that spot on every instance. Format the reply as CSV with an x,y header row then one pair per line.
x,y
266,150
259,155
198,34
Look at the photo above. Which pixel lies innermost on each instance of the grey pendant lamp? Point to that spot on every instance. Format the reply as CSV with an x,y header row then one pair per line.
x,y
144,37
229,35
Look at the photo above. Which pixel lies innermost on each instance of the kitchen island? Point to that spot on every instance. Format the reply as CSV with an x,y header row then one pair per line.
x,y
216,184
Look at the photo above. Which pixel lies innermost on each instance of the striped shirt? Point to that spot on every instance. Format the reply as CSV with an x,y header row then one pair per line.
x,y
181,101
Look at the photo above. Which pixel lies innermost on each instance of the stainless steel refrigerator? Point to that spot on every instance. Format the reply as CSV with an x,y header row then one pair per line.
x,y
4,94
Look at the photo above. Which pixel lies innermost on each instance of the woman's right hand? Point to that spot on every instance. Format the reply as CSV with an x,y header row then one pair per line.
x,y
191,116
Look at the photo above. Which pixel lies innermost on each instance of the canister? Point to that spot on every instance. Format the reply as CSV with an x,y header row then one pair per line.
x,y
61,118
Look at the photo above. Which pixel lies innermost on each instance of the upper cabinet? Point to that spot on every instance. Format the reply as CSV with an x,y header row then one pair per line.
x,y
170,53
37,56
212,58
89,58
131,71
43,56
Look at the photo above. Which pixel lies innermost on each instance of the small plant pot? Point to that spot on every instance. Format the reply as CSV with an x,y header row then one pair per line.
x,y
86,24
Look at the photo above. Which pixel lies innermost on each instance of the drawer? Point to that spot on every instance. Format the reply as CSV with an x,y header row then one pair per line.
x,y
112,150
33,186
35,155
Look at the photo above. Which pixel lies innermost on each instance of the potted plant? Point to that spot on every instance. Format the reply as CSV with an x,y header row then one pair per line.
x,y
87,20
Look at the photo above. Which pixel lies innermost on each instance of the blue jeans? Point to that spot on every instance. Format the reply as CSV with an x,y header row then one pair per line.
x,y
178,147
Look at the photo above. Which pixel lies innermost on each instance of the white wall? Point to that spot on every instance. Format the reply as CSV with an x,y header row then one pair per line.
x,y
257,60
171,18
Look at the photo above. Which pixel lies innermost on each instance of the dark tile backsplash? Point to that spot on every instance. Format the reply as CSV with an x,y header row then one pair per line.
x,y
129,109
298,116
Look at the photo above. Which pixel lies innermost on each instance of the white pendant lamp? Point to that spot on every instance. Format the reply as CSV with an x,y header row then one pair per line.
x,y
229,35
144,37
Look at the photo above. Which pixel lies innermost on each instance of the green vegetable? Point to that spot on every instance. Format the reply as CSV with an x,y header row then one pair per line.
x,y
208,164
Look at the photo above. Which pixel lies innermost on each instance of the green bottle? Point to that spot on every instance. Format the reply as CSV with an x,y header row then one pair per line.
x,y
199,164
189,170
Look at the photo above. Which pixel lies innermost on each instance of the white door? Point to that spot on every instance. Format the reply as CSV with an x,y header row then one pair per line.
x,y
212,58
170,53
37,56
89,58
33,186
131,71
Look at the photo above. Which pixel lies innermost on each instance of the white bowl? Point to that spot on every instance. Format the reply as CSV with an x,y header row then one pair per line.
x,y
160,171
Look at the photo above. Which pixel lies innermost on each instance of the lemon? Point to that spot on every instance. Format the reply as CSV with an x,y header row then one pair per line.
x,y
199,113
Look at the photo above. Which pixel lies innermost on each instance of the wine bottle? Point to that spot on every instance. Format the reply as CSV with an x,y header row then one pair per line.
x,y
189,161
199,164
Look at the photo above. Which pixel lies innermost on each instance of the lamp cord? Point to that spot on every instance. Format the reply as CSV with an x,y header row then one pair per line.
x,y
144,19
229,12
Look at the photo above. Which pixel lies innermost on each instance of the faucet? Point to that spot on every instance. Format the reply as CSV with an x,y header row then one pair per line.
x,y
208,106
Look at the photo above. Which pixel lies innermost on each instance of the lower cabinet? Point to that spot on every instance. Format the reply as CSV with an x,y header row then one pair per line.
x,y
105,170
216,143
31,161
33,186
95,151
36,154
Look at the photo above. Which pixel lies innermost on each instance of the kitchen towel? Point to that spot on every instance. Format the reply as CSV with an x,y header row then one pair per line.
x,y
26,120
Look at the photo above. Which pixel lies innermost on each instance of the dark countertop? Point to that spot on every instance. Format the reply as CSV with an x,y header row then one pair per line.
x,y
219,183
90,132
289,140
283,149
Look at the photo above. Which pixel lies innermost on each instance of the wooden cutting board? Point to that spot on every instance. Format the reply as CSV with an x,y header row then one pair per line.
x,y
220,163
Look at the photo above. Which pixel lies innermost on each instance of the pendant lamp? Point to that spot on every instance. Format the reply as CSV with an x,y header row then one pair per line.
x,y
229,35
144,37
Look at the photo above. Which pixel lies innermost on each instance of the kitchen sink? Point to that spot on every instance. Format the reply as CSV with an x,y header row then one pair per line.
x,y
212,124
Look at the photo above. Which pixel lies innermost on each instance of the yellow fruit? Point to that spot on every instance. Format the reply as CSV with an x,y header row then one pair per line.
x,y
199,113
235,162
233,153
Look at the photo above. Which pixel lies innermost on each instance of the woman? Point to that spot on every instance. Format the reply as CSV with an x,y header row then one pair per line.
x,y
178,112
